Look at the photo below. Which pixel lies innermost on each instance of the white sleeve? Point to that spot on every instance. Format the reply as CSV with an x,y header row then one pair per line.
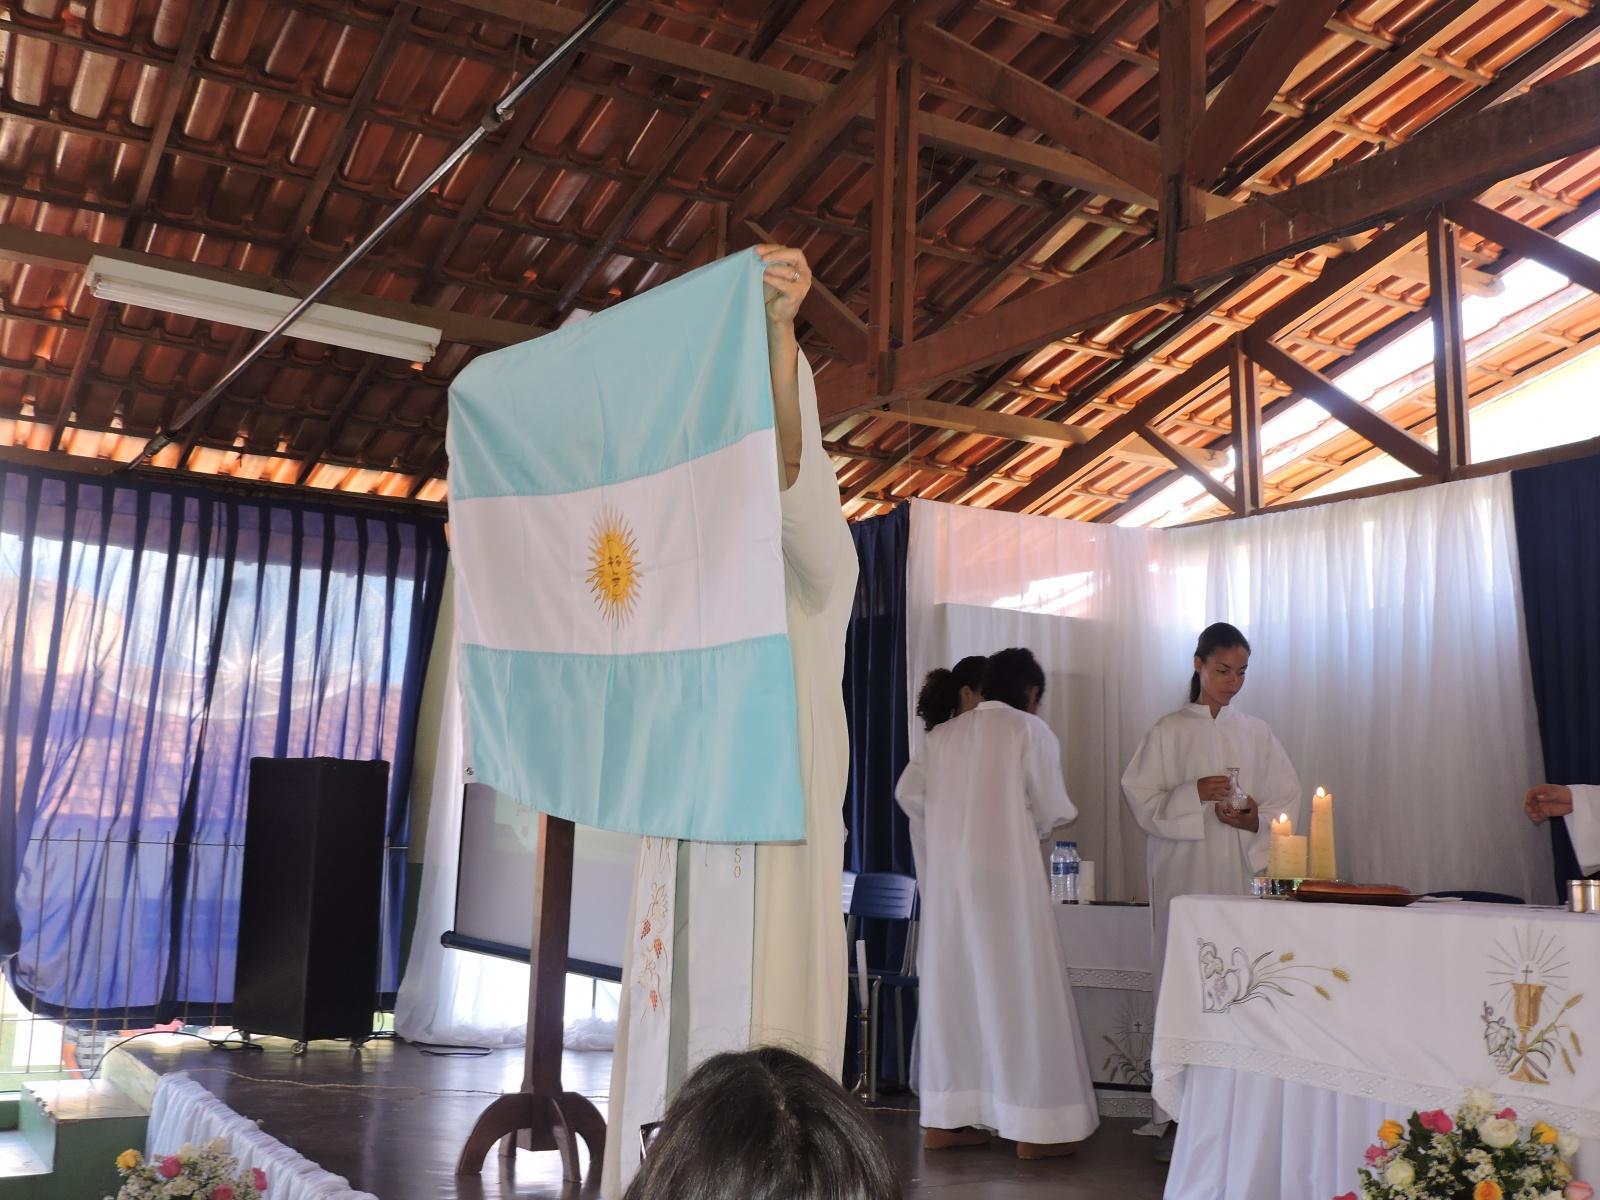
x,y
911,792
1046,787
1278,791
1162,808
1583,826
816,539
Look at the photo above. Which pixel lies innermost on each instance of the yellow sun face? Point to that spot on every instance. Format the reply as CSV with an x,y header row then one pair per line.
x,y
613,567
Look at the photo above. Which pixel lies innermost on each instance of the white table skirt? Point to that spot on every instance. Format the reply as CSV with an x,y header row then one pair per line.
x,y
1108,953
1252,1137
184,1112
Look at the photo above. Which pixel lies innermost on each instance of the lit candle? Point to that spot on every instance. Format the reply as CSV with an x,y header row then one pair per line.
x,y
1323,862
1287,857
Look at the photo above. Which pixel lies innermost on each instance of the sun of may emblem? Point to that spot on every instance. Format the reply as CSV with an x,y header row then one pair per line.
x,y
613,566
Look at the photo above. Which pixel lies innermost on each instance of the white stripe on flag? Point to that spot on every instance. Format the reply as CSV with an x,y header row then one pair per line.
x,y
702,540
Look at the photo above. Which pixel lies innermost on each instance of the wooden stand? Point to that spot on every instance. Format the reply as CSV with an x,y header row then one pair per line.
x,y
542,1116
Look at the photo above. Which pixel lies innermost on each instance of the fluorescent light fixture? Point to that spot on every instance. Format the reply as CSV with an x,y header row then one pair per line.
x,y
248,308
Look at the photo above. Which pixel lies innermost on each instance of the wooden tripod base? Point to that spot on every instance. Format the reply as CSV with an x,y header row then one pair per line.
x,y
530,1122
543,1115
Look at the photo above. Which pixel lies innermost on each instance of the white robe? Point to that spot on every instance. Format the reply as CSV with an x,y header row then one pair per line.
x,y
763,959
999,1037
1189,851
1583,826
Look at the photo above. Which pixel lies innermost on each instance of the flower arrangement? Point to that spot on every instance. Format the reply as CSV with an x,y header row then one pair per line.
x,y
1477,1153
207,1172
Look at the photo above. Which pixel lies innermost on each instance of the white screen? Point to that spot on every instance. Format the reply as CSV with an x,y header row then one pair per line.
x,y
494,893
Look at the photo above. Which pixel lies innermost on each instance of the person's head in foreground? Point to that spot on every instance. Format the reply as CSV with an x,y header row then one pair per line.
x,y
1014,677
764,1124
949,692
1221,657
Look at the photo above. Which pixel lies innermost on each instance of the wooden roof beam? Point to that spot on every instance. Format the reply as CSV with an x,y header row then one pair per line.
x,y
1549,123
1526,241
1339,404
1116,150
1232,117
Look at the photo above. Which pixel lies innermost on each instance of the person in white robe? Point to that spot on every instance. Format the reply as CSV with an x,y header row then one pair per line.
x,y
1178,787
782,982
1001,1047
1579,805
946,692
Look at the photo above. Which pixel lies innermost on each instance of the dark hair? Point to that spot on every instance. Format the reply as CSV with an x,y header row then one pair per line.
x,y
1220,636
764,1124
1008,676
940,697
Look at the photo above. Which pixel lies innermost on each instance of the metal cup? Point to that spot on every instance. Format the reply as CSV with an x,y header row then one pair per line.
x,y
1583,895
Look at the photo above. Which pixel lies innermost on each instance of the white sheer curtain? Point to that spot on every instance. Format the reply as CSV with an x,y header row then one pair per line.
x,y
450,997
1389,658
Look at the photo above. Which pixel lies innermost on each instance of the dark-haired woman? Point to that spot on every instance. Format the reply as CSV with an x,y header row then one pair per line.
x,y
946,693
764,1124
1178,787
1000,1044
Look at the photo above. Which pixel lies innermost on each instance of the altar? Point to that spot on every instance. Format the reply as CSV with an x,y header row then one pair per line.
x,y
1287,1031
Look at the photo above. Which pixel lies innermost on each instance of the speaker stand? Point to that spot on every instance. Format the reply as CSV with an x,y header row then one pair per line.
x,y
542,1116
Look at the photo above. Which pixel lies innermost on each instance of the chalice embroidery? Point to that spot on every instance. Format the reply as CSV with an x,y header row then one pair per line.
x,y
1531,980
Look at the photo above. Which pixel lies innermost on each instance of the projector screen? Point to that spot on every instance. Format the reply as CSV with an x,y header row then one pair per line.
x,y
494,890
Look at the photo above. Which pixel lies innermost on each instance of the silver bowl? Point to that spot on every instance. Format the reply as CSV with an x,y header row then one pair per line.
x,y
1273,889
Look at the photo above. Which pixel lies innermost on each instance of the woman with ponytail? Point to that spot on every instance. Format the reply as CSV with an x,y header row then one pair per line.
x,y
1177,785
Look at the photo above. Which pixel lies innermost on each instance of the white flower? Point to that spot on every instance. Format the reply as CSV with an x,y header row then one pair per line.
x,y
1499,1132
1479,1098
1568,1144
1400,1174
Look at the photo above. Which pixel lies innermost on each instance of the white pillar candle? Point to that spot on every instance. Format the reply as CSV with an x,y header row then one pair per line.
x,y
1323,862
1287,857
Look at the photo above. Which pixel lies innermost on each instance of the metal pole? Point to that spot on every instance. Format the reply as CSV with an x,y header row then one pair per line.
x,y
492,120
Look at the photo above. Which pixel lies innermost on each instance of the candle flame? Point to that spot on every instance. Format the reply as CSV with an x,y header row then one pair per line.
x,y
1320,792
1281,819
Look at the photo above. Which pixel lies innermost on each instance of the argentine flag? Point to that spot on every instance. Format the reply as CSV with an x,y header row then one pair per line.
x,y
615,531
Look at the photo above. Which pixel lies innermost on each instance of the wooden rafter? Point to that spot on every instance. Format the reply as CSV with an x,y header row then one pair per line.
x,y
1184,459
1182,84
1101,141
349,124
88,351
1245,402
336,419
1337,279
1288,35
1449,347
1546,124
1411,453
1526,241
177,82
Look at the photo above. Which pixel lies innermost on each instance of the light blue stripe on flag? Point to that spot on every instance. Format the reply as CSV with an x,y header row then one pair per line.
x,y
669,376
709,752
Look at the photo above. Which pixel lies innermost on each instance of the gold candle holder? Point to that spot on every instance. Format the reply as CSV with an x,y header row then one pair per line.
x,y
1529,998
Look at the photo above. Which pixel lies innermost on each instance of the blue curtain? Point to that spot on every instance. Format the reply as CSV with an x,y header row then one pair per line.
x,y
875,706
1557,511
875,697
154,639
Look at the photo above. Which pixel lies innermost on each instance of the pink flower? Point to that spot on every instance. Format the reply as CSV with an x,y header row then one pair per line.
x,y
259,1178
1507,1114
1375,1155
1578,1190
170,1167
1347,1196
1437,1121
222,1192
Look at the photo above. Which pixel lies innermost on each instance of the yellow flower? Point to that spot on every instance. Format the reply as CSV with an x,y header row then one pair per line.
x,y
129,1160
1488,1189
1545,1135
1389,1132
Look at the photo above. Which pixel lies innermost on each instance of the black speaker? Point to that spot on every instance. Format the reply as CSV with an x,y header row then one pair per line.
x,y
310,899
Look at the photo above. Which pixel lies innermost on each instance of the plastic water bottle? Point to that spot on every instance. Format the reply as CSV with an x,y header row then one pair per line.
x,y
1064,862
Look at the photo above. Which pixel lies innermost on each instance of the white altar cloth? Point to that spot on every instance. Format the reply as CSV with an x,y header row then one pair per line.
x,y
184,1112
1287,1031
